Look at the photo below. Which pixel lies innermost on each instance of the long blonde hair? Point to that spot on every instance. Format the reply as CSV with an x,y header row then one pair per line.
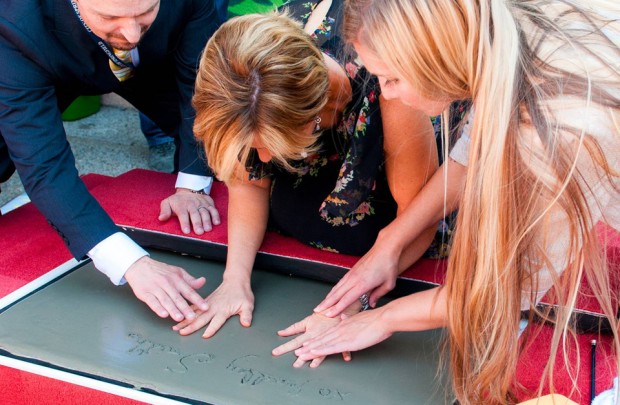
x,y
522,63
260,76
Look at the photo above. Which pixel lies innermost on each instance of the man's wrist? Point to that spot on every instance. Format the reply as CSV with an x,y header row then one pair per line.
x,y
114,255
189,190
194,182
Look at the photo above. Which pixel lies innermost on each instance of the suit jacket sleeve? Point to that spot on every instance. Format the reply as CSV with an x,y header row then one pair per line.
x,y
31,126
197,31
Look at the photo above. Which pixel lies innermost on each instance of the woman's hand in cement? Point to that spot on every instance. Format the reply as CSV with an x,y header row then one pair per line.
x,y
308,328
375,273
350,334
227,300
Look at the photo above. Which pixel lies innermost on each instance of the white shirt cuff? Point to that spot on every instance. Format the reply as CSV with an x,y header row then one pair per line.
x,y
114,255
194,182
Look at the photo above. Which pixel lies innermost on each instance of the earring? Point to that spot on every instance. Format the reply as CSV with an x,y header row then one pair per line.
x,y
317,127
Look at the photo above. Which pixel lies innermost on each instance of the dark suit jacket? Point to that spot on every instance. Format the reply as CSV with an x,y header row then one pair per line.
x,y
47,59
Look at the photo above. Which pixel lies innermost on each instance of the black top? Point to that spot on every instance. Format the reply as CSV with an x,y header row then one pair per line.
x,y
341,199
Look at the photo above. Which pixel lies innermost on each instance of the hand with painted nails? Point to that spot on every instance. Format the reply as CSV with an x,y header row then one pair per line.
x,y
193,210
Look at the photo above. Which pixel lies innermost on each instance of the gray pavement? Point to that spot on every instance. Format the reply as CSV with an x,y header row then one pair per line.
x,y
109,142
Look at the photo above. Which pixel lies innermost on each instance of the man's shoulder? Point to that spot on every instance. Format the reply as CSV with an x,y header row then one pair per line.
x,y
176,16
26,17
19,11
184,8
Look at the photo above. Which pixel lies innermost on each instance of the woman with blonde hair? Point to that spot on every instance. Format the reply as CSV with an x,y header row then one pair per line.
x,y
305,143
543,167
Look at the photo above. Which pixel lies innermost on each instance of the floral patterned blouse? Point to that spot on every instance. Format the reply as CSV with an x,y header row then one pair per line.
x,y
340,199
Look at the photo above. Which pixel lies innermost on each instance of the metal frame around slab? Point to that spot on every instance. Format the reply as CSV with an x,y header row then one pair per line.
x,y
584,321
300,267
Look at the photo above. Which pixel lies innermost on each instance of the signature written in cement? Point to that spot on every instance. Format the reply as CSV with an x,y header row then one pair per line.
x,y
251,375
146,346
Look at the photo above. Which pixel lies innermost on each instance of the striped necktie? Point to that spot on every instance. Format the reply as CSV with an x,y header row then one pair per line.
x,y
122,73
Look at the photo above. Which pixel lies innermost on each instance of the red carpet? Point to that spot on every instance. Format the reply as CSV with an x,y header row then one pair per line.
x,y
31,248
534,359
142,213
21,388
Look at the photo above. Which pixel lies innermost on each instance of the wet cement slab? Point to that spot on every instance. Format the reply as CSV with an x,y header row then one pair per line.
x,y
83,324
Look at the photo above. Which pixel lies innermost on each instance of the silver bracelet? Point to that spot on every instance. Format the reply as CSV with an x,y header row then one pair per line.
x,y
364,300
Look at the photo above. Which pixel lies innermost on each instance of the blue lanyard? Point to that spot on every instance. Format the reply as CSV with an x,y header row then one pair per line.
x,y
100,42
